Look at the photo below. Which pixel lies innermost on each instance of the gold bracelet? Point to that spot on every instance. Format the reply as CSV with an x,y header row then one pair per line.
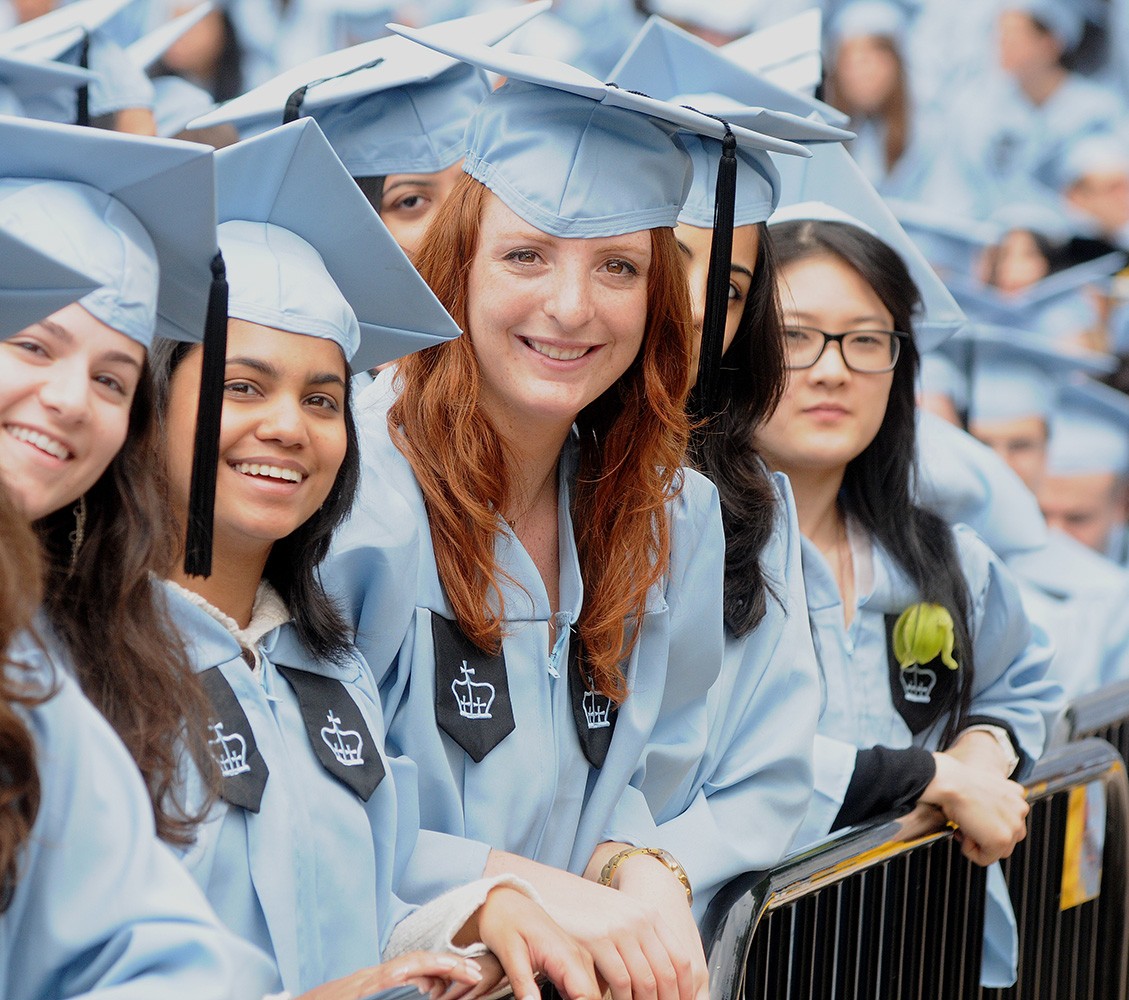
x,y
663,857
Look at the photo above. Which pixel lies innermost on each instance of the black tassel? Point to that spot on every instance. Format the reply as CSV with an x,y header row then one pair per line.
x,y
82,97
293,110
704,403
205,455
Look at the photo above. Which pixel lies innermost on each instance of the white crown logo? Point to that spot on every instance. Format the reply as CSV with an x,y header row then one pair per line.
x,y
230,752
473,698
597,710
346,744
917,684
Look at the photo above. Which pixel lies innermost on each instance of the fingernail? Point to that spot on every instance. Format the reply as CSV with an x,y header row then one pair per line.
x,y
475,972
471,963
447,961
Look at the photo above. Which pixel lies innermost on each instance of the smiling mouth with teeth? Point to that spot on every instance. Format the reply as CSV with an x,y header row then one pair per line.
x,y
41,441
268,472
556,353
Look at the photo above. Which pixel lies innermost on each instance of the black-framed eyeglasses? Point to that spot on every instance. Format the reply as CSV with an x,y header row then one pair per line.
x,y
869,352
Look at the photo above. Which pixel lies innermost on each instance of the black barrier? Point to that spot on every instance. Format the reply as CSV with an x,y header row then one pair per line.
x,y
1104,714
893,910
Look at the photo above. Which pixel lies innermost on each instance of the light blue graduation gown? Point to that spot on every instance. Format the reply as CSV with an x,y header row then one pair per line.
x,y
103,908
1010,688
534,793
753,785
1019,147
310,878
1083,597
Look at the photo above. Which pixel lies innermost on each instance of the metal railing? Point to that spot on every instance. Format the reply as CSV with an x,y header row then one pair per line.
x,y
1103,713
893,910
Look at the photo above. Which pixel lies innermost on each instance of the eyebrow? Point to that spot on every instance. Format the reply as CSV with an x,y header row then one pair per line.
x,y
741,269
411,182
121,358
270,371
855,321
61,332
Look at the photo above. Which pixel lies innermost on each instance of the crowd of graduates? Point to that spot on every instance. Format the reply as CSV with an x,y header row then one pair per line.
x,y
477,478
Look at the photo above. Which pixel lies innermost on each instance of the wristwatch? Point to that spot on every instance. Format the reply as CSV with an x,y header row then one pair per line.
x,y
1000,735
663,857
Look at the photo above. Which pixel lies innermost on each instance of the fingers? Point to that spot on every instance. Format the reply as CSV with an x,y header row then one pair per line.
x,y
429,965
573,973
612,968
686,977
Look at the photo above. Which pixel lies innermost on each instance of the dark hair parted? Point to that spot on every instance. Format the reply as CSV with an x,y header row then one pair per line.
x,y
878,487
20,590
104,608
293,564
752,379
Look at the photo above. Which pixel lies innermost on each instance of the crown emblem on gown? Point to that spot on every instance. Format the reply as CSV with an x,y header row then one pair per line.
x,y
597,710
230,752
917,684
473,698
346,744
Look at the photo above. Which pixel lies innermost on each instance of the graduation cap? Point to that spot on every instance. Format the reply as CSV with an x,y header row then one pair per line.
x,y
1089,431
72,33
34,285
22,78
788,53
1039,306
138,215
733,17
830,186
1015,375
870,18
552,143
1065,19
387,106
324,266
152,46
951,243
671,64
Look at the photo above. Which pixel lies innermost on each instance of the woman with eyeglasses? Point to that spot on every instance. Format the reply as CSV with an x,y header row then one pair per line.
x,y
932,676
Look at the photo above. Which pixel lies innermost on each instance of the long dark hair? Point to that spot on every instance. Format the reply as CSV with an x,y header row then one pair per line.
x,y
293,564
20,589
878,487
752,380
104,608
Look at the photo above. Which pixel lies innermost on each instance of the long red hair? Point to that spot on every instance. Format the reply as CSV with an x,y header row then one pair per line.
x,y
632,444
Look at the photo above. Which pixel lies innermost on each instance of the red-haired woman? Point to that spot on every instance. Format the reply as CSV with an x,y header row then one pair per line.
x,y
555,639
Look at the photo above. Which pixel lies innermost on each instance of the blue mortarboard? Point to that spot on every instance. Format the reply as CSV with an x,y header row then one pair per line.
x,y
153,45
62,27
138,214
324,266
22,77
863,18
733,17
115,206
672,65
943,373
387,106
34,285
1063,18
1046,219
1015,375
553,142
1039,305
789,53
1090,431
950,243
75,33
830,186
1099,153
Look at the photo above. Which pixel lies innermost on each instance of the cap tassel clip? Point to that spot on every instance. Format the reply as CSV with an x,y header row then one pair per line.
x,y
205,455
717,282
